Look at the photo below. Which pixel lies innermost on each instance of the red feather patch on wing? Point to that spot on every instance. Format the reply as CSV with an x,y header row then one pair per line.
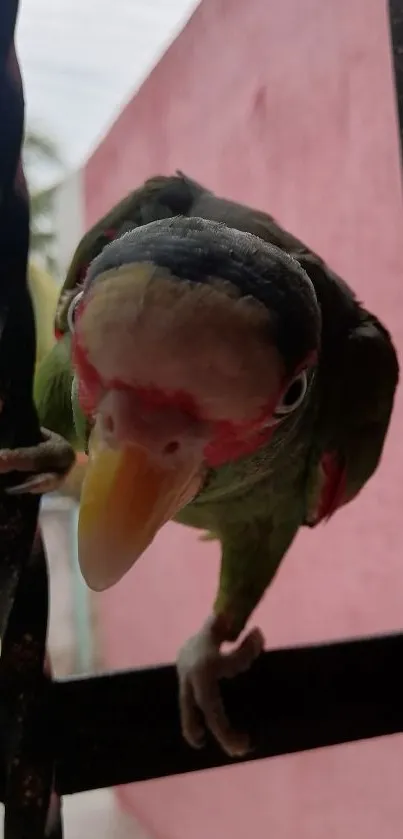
x,y
332,492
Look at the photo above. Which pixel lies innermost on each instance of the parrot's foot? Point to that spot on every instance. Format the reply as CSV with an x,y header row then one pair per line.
x,y
51,460
200,667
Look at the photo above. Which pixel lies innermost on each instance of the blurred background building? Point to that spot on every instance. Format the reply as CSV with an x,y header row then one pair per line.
x,y
287,105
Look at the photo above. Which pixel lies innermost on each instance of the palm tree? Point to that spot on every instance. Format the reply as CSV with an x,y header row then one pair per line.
x,y
42,163
44,294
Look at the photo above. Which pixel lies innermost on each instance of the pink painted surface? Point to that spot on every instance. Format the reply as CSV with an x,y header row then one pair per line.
x,y
288,105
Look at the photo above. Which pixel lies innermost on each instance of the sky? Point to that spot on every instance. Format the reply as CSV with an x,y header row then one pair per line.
x,y
80,63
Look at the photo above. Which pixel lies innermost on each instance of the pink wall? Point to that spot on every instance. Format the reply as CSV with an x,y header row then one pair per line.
x,y
288,105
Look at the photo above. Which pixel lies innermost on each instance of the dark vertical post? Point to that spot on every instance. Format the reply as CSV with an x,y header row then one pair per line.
x,y
26,764
396,31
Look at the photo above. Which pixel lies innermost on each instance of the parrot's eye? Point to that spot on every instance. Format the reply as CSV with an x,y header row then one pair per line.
x,y
293,396
71,311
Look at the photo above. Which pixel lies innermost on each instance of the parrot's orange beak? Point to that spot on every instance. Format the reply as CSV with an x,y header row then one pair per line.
x,y
126,498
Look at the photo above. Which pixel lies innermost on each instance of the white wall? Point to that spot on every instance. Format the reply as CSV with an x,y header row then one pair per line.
x,y
69,219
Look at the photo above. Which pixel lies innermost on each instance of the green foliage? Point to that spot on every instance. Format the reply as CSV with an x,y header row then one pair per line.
x,y
41,156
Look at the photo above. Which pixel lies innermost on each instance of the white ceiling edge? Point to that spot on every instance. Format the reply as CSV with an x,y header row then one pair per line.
x,y
77,80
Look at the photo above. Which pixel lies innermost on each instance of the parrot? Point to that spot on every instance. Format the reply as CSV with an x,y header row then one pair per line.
x,y
219,374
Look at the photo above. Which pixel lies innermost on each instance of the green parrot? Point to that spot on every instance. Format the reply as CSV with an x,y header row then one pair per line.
x,y
220,375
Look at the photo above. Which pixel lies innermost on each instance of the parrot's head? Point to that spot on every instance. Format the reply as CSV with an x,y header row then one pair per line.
x,y
192,342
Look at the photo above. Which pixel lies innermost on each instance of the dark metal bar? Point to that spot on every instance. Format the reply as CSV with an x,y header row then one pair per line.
x,y
110,730
26,762
396,31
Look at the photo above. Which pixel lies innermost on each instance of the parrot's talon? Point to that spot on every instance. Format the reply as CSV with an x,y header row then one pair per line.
x,y
37,485
201,665
50,461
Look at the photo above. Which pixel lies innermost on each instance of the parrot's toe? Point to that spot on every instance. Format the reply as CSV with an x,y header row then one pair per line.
x,y
49,461
201,665
38,485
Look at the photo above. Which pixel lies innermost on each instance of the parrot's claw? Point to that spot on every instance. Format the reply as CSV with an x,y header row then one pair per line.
x,y
50,460
201,665
38,485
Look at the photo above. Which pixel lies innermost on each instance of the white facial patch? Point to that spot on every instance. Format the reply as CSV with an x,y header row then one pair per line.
x,y
143,327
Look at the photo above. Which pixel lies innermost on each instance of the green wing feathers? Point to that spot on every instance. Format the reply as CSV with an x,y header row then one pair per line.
x,y
371,375
52,391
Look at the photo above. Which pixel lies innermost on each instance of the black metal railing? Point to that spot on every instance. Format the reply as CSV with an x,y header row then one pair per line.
x,y
61,737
